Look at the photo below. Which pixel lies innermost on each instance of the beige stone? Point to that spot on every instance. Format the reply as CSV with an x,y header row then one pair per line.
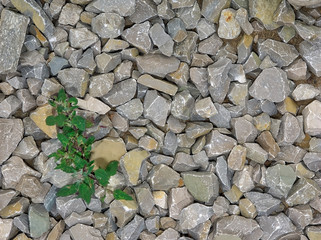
x,y
160,198
23,236
237,157
15,208
93,105
112,236
247,208
157,84
107,150
234,194
39,117
56,231
99,219
267,142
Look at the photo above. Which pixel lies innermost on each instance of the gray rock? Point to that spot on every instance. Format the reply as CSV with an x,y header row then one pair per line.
x,y
137,35
284,15
27,148
40,71
222,118
211,10
218,79
237,227
22,223
81,231
301,216
74,80
305,92
312,60
194,215
11,133
176,29
201,60
144,198
312,161
178,199
157,65
199,76
9,106
31,43
223,173
107,62
13,28
82,38
170,144
229,27
132,109
119,122
184,49
87,61
218,144
123,211
123,71
315,145
56,64
312,119
237,73
291,154
274,89
256,153
156,107
281,53
184,162
182,104
8,230
275,226
122,7
169,233
132,230
197,129
70,14
265,204
101,84
160,85
242,18
165,11
238,93
144,10
243,130
243,179
190,15
38,220
203,186
121,93
162,177
205,108
304,3
6,196
210,45
181,76
297,70
108,25
286,33
252,63
161,39
67,205
244,48
152,224
289,130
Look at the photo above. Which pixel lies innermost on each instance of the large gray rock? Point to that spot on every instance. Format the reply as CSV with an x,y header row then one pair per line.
x,y
82,38
121,7
108,25
312,118
38,220
190,15
218,144
289,130
67,205
211,10
194,215
265,204
123,211
161,39
11,133
272,84
13,28
311,54
27,148
178,199
75,81
162,177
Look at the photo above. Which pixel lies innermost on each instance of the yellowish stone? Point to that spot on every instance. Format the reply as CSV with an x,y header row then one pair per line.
x,y
290,105
160,198
21,236
314,233
247,208
15,208
131,163
234,194
39,117
107,150
157,84
86,17
111,236
305,144
57,231
301,171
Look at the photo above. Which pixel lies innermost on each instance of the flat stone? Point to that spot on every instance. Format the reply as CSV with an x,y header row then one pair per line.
x,y
183,162
147,64
265,204
162,177
305,92
144,198
243,179
22,223
297,70
199,76
210,45
281,53
178,199
243,130
74,80
229,27
256,153
290,153
132,230
194,215
123,71
218,144
275,226
152,224
101,84
87,61
237,227
56,232
169,233
123,211
218,79
211,9
234,194
289,130
82,38
93,105
312,118
223,173
107,62
262,122
284,14
201,60
27,148
205,29
184,49
70,14
190,15
274,89
81,231
148,143
313,232
203,186
132,109
160,85
286,33
16,207
7,229
108,25
160,199
75,218
244,48
242,18
181,105
161,39
170,144
252,63
114,45
13,28
312,161
11,133
267,142
121,93
313,61
301,216
138,36
315,145
197,129
6,196
38,220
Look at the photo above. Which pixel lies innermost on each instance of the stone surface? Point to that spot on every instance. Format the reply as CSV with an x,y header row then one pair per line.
x,y
70,14
160,85
132,230
108,25
305,92
156,178
181,105
38,220
74,80
67,205
123,211
218,144
81,231
229,27
307,51
193,215
312,118
82,38
265,204
211,9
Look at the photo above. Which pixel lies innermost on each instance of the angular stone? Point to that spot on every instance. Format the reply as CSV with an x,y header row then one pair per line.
x,y
289,130
238,93
87,61
13,28
160,199
132,109
82,38
75,218
199,76
74,80
236,158
101,84
267,142
123,71
297,70
222,118
211,9
201,60
286,33
169,233
147,64
229,27
197,129
107,62
180,76
164,10
70,14
310,53
205,108
256,153
247,208
243,179
93,105
312,118
313,232
262,122
157,84
284,14
38,220
7,229
148,143
242,18
11,133
144,198
203,186
243,130
123,211
291,154
132,230
312,161
122,7
244,48
275,226
183,162
108,25
234,194
27,148
182,104
274,89
176,29
205,29
6,196
190,15
315,145
16,207
237,227
194,215
67,205
170,144
9,106
185,49
152,224
22,223
301,216
218,79
210,45
121,93
218,144
161,39
114,45
223,173
56,232
281,53
81,231
252,63
305,92
162,177
137,35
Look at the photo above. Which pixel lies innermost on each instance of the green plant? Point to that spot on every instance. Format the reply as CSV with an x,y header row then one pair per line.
x,y
74,156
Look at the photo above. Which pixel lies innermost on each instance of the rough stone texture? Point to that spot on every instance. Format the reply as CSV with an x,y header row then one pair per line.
x,y
160,85
74,80
67,205
38,220
305,92
108,25
182,104
123,211
311,54
82,38
162,177
81,231
312,118
265,204
218,144
229,27
178,199
132,230
211,9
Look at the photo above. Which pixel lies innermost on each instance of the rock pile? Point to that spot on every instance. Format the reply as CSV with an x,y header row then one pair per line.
x,y
212,108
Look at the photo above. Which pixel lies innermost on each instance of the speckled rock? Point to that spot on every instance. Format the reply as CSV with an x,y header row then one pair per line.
x,y
229,27
312,119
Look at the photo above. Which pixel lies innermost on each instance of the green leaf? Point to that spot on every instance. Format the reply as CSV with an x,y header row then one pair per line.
x,y
60,120
67,190
111,168
51,120
64,167
102,177
81,140
79,122
68,131
85,192
63,139
90,140
79,162
52,103
73,101
60,109
62,95
120,195
89,124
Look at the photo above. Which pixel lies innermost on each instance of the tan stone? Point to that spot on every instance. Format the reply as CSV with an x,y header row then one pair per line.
x,y
112,236
247,208
313,232
93,105
22,236
234,194
301,171
148,143
15,208
56,231
99,219
39,117
131,163
157,84
290,105
160,198
107,150
267,142
237,157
